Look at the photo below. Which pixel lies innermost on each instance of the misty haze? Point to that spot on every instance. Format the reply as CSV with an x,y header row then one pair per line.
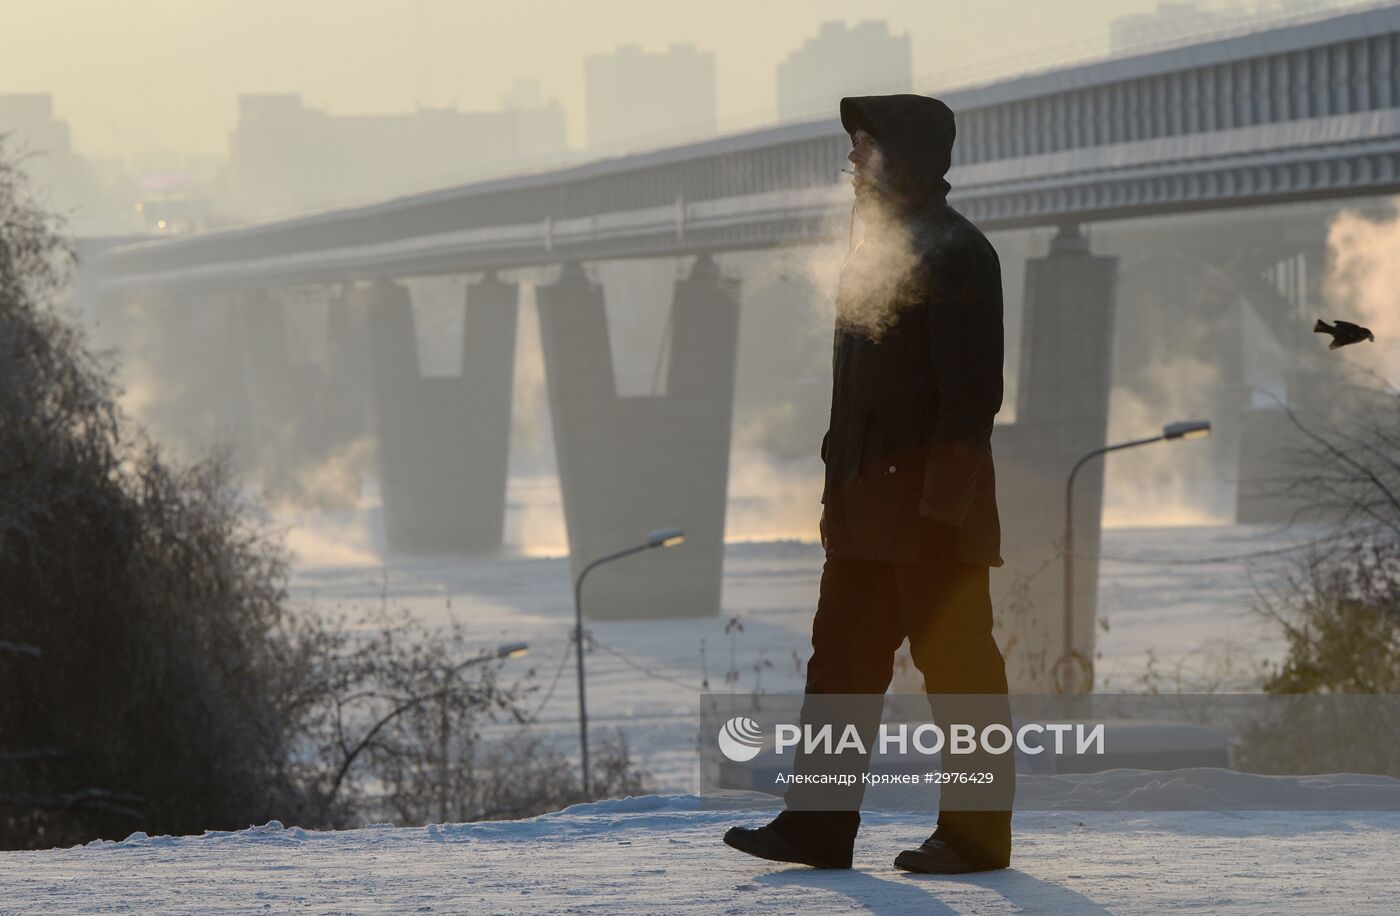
x,y
418,410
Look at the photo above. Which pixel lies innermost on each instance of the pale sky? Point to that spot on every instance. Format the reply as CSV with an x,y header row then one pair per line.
x,y
132,76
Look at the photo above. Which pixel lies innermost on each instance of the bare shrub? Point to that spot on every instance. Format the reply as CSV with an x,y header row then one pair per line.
x,y
1340,609
139,609
526,775
386,725
1340,613
152,675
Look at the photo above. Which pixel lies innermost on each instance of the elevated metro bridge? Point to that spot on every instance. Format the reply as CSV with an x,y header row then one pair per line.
x,y
1308,111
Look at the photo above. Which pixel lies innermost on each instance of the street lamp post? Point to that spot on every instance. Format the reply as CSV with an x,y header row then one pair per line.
x,y
1184,429
662,537
505,650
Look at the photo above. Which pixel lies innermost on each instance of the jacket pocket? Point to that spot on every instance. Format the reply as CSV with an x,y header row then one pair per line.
x,y
903,469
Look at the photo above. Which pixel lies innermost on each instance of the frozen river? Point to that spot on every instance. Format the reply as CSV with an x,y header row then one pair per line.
x,y
1170,600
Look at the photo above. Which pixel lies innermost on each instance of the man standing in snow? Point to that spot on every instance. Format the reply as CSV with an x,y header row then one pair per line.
x,y
909,522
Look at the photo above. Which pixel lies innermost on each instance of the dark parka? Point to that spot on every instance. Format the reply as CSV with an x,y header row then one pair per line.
x,y
912,408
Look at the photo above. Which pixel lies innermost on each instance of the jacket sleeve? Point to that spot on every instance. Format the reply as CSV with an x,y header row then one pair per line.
x,y
964,320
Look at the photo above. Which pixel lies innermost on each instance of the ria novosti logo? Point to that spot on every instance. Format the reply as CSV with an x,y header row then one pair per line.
x,y
741,739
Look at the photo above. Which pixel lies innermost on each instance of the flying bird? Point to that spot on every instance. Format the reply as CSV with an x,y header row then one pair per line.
x,y
1343,333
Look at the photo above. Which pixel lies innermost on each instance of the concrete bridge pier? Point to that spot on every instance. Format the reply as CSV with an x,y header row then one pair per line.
x,y
281,392
443,442
302,384
1284,285
630,465
1061,414
181,375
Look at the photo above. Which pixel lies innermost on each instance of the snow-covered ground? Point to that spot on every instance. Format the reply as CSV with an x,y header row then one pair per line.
x,y
663,854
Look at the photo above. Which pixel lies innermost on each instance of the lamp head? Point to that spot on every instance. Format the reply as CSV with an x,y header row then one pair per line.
x,y
665,537
1186,429
512,650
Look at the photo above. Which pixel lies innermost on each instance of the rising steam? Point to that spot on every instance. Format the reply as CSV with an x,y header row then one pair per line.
x,y
877,276
1363,284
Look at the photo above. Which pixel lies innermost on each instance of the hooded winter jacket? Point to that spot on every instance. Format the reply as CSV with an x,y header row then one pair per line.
x,y
917,357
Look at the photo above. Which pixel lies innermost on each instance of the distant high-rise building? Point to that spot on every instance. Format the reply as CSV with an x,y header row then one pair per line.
x,y
61,180
539,125
28,116
841,61
285,157
1180,20
523,93
635,98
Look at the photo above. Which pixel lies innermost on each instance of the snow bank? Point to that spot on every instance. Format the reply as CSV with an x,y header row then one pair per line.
x,y
662,853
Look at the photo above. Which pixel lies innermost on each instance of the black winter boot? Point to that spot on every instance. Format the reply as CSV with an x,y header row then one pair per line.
x,y
767,843
935,857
